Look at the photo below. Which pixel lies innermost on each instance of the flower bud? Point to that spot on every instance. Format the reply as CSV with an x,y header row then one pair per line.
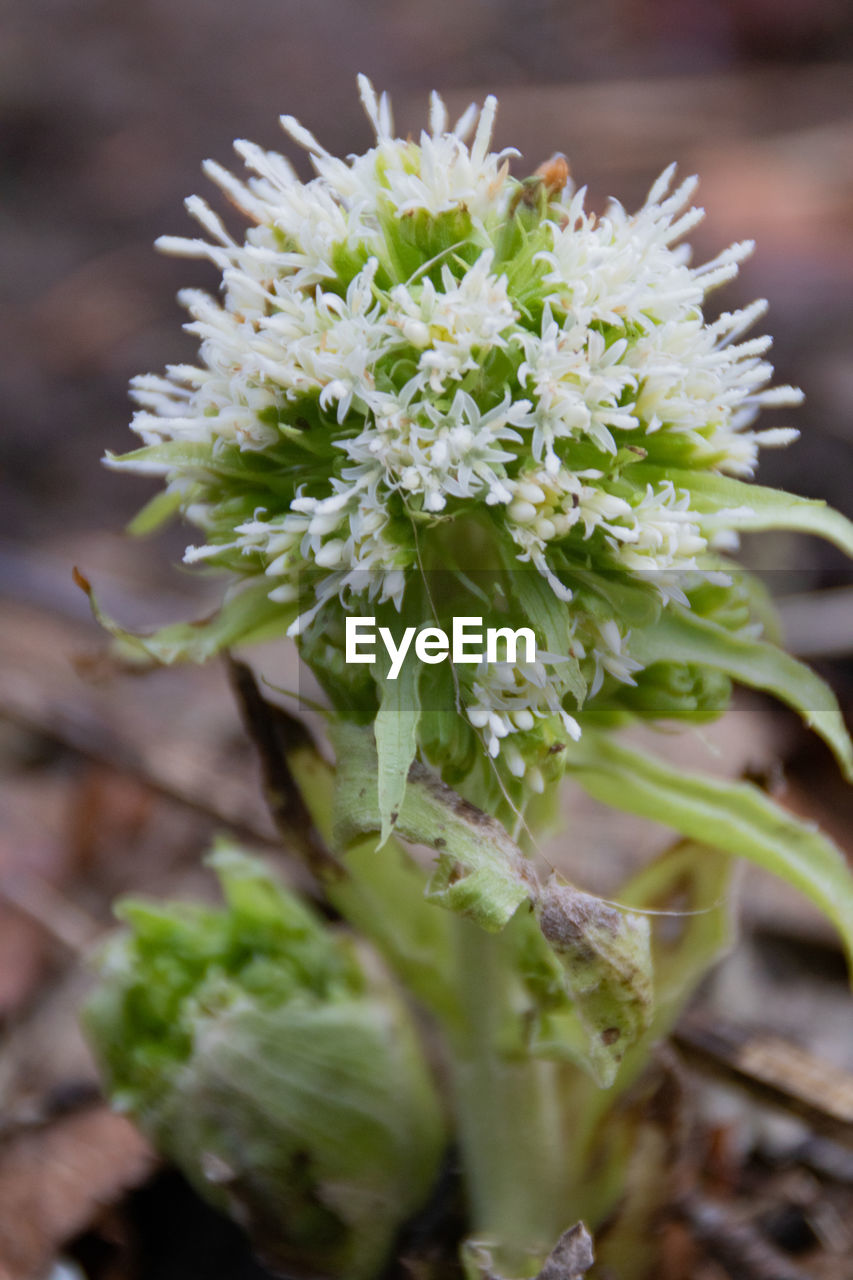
x,y
275,1065
677,691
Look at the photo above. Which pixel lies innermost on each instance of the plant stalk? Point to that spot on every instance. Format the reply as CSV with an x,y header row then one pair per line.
x,y
508,1113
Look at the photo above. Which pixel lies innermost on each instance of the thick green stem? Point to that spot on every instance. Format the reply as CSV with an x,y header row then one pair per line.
x,y
382,896
508,1113
538,1145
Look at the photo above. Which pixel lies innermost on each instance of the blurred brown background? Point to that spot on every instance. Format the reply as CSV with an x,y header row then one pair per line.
x,y
109,785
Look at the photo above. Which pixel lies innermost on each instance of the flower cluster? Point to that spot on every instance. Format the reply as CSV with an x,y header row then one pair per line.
x,y
420,363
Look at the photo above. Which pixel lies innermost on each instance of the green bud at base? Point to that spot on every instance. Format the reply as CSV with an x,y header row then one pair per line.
x,y
276,1066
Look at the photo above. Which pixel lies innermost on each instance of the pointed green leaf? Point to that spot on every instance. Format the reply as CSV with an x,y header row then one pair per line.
x,y
247,617
382,898
733,816
155,513
754,507
160,459
396,733
682,636
549,619
480,873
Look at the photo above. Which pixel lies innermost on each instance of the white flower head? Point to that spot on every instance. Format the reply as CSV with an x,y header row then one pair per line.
x,y
418,360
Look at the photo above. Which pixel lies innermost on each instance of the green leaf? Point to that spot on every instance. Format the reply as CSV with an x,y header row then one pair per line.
x,y
481,873
605,971
160,459
155,513
754,507
247,617
682,636
396,733
226,465
382,898
586,965
688,887
732,816
616,594
549,619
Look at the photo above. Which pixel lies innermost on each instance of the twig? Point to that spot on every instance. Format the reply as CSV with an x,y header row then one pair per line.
x,y
736,1245
66,1100
778,1072
61,919
826,1158
274,733
39,692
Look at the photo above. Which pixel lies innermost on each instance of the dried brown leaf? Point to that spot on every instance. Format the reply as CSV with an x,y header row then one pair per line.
x,y
56,1179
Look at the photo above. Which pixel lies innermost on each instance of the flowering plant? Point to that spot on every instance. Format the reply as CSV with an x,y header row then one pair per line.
x,y
434,390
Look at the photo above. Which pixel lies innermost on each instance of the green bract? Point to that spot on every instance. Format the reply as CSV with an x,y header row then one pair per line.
x,y
263,1056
